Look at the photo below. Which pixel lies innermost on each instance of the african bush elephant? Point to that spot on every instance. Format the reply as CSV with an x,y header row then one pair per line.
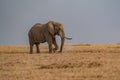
x,y
41,33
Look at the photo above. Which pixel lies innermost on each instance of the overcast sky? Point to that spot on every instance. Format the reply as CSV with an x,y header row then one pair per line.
x,y
86,21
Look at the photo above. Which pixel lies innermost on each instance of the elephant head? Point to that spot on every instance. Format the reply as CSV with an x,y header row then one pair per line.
x,y
56,28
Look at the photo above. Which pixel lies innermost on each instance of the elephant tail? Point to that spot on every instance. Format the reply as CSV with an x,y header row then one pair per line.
x,y
68,38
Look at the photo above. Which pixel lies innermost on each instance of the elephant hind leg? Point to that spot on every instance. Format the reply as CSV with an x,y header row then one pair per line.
x,y
31,48
37,48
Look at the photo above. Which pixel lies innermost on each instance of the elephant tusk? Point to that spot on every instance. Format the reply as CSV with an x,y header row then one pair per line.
x,y
68,38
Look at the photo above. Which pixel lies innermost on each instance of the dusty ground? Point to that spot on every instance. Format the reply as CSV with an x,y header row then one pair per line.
x,y
77,62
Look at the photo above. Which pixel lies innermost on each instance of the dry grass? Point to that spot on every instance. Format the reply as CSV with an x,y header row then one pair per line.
x,y
77,62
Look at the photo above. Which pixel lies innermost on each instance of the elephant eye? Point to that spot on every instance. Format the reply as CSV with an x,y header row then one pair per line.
x,y
56,28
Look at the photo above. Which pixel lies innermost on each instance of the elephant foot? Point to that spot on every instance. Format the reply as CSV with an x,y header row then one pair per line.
x,y
38,52
50,51
30,52
54,50
59,51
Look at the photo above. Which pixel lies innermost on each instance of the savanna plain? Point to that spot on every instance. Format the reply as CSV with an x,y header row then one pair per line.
x,y
76,62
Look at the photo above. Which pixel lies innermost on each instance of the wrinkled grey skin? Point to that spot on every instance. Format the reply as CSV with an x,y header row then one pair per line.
x,y
41,33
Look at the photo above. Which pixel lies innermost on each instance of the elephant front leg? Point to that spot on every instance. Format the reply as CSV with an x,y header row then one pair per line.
x,y
49,41
55,44
50,47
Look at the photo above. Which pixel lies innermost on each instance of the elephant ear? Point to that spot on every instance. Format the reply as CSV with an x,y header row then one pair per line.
x,y
51,27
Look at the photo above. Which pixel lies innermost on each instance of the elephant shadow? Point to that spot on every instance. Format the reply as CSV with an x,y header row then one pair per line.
x,y
13,52
25,52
